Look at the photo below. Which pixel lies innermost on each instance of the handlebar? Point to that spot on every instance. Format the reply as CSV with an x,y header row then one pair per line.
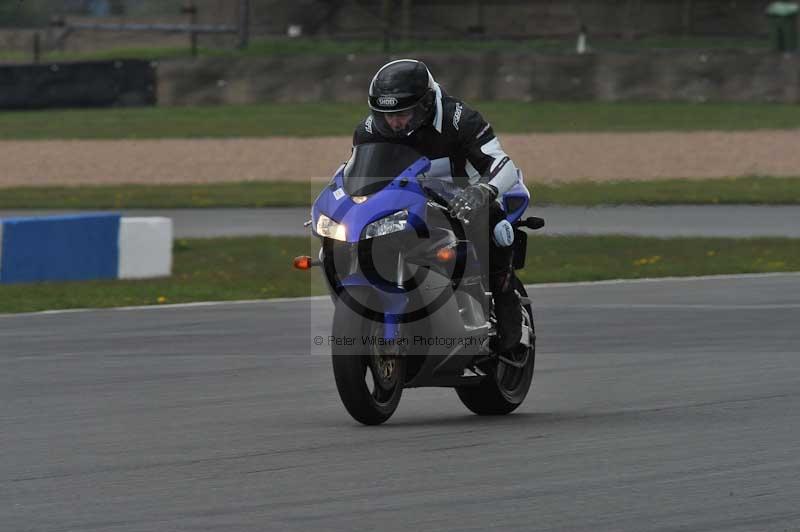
x,y
438,202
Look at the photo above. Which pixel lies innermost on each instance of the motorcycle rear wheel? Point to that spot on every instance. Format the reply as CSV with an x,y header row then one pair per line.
x,y
505,387
369,378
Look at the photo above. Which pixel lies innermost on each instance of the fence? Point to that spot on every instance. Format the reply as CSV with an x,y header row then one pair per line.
x,y
517,19
99,24
421,18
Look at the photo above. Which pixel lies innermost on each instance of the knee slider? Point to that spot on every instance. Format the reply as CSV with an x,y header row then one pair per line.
x,y
503,234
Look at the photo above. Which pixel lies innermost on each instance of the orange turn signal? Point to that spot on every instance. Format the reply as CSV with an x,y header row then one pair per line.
x,y
303,262
445,254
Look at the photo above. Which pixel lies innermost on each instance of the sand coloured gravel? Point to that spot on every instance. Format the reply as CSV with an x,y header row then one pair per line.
x,y
543,157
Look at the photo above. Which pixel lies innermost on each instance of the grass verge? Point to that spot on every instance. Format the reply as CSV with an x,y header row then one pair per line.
x,y
744,190
319,119
259,267
267,47
245,194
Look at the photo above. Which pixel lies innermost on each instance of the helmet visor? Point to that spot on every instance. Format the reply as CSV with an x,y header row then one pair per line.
x,y
398,124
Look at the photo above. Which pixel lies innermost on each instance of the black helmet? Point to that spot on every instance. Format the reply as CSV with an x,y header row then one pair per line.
x,y
404,86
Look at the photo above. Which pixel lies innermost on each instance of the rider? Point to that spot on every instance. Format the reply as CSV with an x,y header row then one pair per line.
x,y
409,107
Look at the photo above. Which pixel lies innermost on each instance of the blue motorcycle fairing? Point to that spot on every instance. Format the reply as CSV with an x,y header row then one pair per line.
x,y
403,192
393,303
515,201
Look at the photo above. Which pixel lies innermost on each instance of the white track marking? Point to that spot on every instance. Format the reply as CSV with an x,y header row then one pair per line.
x,y
668,279
677,306
529,287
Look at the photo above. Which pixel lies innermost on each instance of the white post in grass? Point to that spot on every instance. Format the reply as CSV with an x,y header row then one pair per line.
x,y
581,46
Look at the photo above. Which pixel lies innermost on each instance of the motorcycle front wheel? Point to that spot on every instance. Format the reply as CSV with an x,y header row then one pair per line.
x,y
369,377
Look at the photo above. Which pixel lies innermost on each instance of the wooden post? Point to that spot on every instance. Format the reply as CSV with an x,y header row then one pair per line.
x,y
244,24
191,9
386,17
193,34
407,19
629,32
687,17
37,47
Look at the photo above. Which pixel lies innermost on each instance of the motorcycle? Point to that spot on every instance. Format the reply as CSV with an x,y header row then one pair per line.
x,y
412,304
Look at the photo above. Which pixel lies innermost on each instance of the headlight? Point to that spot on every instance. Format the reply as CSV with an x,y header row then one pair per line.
x,y
390,224
330,229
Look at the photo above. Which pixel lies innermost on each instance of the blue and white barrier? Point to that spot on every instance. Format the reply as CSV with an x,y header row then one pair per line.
x,y
83,247
145,248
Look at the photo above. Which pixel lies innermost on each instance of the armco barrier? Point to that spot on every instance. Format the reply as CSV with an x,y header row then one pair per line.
x,y
83,247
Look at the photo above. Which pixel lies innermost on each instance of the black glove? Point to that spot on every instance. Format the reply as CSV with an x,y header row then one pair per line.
x,y
472,199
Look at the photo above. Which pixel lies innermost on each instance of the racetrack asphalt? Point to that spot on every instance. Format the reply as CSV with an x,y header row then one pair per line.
x,y
666,221
657,405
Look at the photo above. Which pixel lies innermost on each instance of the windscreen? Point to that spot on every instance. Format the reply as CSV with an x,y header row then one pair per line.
x,y
373,166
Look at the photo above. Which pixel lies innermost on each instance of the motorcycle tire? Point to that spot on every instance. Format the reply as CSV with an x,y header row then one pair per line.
x,y
369,383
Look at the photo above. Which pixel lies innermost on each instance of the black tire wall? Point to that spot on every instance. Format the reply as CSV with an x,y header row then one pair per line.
x,y
83,84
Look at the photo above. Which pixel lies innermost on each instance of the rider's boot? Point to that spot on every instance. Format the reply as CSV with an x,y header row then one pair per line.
x,y
508,312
